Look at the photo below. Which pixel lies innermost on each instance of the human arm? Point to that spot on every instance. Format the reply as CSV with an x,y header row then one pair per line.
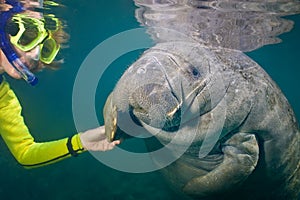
x,y
34,154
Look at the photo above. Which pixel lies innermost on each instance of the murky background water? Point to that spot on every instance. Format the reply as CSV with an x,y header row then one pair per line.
x,y
47,108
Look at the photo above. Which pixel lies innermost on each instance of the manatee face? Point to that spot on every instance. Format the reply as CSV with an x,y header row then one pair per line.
x,y
164,90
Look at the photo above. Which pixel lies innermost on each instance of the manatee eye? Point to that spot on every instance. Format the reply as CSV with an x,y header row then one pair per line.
x,y
194,71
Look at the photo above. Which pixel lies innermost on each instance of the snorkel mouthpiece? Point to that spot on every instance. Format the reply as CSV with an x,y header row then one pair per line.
x,y
24,72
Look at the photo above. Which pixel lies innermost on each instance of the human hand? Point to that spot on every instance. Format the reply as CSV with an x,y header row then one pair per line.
x,y
95,140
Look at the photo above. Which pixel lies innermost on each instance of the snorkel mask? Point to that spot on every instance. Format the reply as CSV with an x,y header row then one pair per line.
x,y
31,33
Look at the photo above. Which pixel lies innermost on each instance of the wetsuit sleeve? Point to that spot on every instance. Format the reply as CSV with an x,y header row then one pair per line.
x,y
19,140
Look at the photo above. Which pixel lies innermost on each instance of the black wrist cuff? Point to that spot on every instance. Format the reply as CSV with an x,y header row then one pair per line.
x,y
70,147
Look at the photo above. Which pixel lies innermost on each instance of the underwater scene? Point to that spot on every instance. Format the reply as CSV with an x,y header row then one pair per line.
x,y
54,108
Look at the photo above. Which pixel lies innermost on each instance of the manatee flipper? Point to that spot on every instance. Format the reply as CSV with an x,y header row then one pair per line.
x,y
240,159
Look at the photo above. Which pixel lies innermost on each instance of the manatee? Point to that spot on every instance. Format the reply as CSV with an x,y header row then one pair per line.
x,y
240,136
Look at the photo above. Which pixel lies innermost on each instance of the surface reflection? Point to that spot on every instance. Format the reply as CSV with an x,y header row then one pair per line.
x,y
241,25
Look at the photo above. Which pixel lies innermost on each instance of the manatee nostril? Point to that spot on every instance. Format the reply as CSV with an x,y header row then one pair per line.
x,y
141,70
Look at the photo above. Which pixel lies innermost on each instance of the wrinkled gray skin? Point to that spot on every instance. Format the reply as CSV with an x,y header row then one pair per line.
x,y
207,94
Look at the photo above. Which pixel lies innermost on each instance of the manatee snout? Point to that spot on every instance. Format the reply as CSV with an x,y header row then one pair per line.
x,y
155,105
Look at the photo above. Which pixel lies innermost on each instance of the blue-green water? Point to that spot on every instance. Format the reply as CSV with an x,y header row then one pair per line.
x,y
47,109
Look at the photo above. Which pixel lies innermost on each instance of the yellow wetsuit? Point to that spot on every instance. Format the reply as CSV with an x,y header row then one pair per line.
x,y
19,140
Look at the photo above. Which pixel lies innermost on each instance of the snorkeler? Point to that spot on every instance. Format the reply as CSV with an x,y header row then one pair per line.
x,y
29,44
